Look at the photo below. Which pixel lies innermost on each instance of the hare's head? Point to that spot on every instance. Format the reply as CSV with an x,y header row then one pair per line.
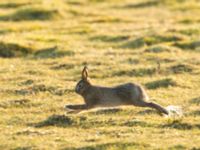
x,y
83,84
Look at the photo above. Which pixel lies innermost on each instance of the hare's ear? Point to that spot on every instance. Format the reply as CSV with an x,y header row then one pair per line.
x,y
84,73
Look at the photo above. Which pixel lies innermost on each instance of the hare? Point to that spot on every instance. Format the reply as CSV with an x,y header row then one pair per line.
x,y
124,94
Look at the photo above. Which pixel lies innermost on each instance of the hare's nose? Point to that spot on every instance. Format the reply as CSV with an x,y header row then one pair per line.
x,y
77,89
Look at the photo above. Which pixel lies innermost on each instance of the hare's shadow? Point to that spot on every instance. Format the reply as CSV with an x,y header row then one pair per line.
x,y
55,120
70,119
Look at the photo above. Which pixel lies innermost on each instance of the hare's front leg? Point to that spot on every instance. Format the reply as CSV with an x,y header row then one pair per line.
x,y
77,107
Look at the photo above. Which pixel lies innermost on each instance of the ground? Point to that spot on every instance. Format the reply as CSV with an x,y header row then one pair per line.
x,y
44,46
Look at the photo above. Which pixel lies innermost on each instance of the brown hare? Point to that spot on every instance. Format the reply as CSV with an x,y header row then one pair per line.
x,y
125,94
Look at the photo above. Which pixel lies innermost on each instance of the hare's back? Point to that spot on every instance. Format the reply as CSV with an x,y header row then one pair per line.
x,y
127,87
130,92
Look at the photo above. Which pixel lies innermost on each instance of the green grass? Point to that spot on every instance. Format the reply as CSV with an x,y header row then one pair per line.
x,y
44,46
9,50
31,14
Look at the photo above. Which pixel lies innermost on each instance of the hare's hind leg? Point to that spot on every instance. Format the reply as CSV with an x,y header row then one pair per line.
x,y
153,105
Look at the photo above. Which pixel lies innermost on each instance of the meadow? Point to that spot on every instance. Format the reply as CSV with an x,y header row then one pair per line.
x,y
44,45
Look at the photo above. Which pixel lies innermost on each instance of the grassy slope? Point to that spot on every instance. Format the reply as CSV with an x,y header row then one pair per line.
x,y
120,42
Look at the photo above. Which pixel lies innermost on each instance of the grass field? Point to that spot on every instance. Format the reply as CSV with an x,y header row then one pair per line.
x,y
44,46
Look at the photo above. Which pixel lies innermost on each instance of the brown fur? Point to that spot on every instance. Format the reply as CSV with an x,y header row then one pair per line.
x,y
125,94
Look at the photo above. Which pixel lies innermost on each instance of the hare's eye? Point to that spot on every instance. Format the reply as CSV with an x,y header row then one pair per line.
x,y
80,85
